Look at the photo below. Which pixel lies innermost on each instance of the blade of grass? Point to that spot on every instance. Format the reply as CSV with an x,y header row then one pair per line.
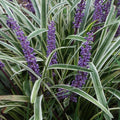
x,y
98,88
68,67
36,7
107,41
109,52
35,90
18,98
38,108
114,92
36,32
76,37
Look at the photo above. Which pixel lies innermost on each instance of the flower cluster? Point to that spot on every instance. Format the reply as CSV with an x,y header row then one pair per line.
x,y
98,13
29,6
51,42
79,15
1,65
101,11
27,50
106,9
83,62
118,14
62,93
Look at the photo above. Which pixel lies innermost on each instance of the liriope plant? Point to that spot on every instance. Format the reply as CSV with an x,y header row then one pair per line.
x,y
61,59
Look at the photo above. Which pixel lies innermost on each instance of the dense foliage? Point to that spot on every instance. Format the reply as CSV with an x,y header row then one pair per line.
x,y
60,59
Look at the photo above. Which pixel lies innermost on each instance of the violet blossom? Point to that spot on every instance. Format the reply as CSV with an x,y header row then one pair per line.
x,y
79,15
27,50
118,14
29,6
51,42
84,59
98,13
1,65
106,9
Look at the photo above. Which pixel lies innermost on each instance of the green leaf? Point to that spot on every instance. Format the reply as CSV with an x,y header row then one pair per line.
x,y
21,15
35,90
69,1
56,7
11,105
74,5
36,7
50,57
26,87
76,37
2,117
109,52
38,108
111,109
9,12
105,45
8,109
69,67
108,20
11,48
35,18
98,87
105,26
86,96
114,92
36,32
32,118
2,57
18,98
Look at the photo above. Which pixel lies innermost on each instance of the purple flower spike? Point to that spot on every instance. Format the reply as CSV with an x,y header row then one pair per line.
x,y
81,77
62,94
106,9
118,14
29,6
1,65
79,15
51,42
27,50
101,11
98,13
83,62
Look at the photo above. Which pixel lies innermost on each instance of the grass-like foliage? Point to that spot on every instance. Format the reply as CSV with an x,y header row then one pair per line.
x,y
59,60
